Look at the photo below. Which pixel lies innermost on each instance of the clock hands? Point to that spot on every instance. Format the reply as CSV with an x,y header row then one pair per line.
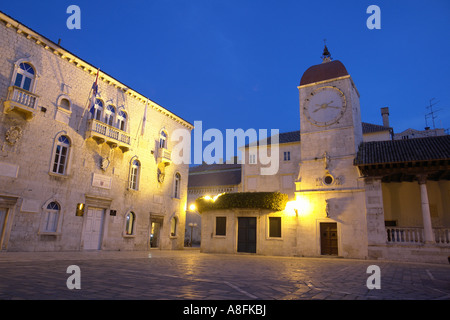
x,y
324,106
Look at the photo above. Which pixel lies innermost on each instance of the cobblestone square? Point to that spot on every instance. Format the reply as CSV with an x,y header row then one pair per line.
x,y
191,275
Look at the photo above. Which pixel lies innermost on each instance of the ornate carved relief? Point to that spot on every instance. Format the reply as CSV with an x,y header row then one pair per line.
x,y
13,135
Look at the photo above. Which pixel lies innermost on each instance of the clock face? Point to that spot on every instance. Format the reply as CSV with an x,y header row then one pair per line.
x,y
325,106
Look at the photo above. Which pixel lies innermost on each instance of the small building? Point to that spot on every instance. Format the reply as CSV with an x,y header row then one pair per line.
x,y
413,133
208,180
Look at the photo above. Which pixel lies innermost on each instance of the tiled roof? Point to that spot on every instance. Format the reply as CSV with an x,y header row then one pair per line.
x,y
294,136
213,167
284,137
370,128
395,151
214,175
323,71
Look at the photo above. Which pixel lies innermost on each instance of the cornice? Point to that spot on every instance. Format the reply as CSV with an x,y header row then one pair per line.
x,y
64,54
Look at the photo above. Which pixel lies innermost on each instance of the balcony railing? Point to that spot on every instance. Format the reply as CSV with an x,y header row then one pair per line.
x,y
415,235
22,101
104,133
164,156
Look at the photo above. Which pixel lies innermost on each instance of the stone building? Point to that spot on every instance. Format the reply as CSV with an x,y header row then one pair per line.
x,y
80,170
209,180
355,192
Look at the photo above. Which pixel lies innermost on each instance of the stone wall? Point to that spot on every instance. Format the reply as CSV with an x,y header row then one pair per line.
x,y
25,165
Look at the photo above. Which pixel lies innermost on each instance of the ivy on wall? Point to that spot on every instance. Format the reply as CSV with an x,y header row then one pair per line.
x,y
274,201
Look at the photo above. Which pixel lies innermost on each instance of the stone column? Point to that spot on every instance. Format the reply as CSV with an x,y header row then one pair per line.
x,y
426,216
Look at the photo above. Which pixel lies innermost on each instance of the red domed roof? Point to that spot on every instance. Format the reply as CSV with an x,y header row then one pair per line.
x,y
324,71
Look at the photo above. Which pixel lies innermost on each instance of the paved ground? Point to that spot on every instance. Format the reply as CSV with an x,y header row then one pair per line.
x,y
189,274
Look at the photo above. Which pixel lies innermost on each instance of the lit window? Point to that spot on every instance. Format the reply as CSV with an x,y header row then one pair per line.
x,y
109,115
25,76
134,175
163,140
129,226
122,120
61,155
51,216
177,182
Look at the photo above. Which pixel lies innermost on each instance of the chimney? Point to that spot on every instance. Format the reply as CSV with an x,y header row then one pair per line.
x,y
385,115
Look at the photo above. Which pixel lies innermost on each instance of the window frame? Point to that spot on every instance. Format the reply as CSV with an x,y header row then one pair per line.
x,y
177,186
270,235
49,214
216,225
97,110
135,172
110,116
163,138
60,145
122,120
18,70
59,104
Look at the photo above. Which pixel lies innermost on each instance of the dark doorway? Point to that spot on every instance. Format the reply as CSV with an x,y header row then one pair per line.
x,y
246,234
154,234
328,239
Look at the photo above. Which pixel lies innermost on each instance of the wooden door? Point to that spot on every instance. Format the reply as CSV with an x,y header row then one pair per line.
x,y
92,234
328,238
246,234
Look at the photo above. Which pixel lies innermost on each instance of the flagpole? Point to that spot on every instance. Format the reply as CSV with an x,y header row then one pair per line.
x,y
91,100
145,117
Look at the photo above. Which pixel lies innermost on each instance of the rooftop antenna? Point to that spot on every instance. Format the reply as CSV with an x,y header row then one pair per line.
x,y
432,112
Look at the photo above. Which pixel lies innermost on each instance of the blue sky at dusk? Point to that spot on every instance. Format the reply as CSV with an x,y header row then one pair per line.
x,y
237,63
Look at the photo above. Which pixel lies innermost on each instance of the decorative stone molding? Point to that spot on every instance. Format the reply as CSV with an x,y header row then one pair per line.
x,y
13,135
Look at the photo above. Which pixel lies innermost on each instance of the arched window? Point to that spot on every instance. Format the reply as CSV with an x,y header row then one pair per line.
x,y
163,139
122,120
61,155
173,227
129,223
97,109
109,115
51,217
177,185
25,76
65,104
134,174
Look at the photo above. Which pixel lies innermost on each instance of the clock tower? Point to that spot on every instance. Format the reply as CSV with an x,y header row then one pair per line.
x,y
330,133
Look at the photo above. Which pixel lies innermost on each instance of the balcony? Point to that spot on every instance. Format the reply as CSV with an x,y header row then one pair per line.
x,y
104,133
396,235
164,156
22,101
